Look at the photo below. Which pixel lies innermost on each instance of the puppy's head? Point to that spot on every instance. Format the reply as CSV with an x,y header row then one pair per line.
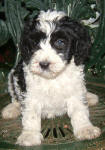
x,y
50,41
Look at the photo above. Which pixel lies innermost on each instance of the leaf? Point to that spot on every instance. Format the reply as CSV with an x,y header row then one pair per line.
x,y
59,5
3,80
85,13
1,8
77,9
24,12
14,19
4,33
49,4
34,13
80,9
62,5
98,48
35,4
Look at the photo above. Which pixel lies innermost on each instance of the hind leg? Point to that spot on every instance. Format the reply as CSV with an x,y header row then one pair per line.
x,y
92,99
11,111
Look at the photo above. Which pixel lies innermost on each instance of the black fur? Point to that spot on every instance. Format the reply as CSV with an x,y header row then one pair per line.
x,y
65,49
30,39
13,86
75,37
77,40
19,73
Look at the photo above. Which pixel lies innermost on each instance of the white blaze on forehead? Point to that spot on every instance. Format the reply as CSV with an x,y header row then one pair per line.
x,y
46,20
51,15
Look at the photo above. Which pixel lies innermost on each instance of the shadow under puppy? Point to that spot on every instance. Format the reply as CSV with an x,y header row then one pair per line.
x,y
49,79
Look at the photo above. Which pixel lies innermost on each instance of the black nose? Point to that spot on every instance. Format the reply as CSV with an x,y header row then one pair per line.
x,y
44,65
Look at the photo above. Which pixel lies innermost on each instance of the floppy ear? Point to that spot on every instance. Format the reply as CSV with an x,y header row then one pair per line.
x,y
26,43
82,45
81,42
28,40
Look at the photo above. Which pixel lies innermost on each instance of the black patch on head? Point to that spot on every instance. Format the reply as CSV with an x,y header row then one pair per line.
x,y
75,38
30,39
61,42
19,73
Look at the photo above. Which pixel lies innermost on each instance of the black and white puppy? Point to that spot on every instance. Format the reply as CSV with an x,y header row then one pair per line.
x,y
49,79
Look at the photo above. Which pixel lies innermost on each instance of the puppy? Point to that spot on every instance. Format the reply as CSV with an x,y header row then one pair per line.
x,y
49,79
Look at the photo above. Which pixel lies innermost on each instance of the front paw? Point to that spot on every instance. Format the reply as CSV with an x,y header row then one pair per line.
x,y
29,138
88,132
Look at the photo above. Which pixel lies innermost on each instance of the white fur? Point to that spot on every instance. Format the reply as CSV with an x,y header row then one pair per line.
x,y
50,89
92,99
46,53
53,92
10,87
11,111
46,20
54,97
51,15
27,136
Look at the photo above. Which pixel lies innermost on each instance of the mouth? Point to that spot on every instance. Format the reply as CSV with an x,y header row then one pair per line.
x,y
46,69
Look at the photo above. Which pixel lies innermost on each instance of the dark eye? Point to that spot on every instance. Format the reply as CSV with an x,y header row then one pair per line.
x,y
59,44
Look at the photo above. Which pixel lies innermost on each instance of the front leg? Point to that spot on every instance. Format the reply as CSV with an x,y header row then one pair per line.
x,y
82,127
31,122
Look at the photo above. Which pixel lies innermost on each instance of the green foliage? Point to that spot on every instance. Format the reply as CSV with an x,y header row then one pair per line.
x,y
35,4
4,33
16,11
3,81
13,19
77,9
98,50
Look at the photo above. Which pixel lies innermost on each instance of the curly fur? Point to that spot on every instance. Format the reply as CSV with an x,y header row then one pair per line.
x,y
49,79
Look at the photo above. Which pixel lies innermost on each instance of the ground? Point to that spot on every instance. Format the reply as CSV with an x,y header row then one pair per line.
x,y
57,133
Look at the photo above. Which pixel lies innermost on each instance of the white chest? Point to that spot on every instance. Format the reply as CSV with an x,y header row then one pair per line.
x,y
52,94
